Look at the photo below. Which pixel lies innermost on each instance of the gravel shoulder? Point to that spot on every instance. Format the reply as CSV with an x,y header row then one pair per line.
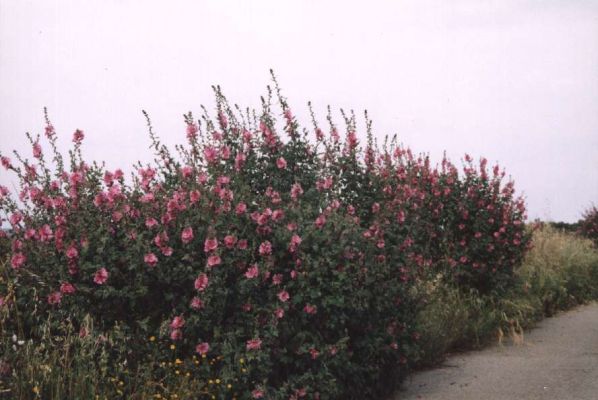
x,y
557,360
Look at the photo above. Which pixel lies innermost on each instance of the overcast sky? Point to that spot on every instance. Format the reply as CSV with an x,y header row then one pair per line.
x,y
514,81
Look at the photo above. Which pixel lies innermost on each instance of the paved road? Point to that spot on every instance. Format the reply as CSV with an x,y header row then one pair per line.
x,y
557,361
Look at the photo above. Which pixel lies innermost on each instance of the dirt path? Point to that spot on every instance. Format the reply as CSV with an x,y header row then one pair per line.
x,y
558,360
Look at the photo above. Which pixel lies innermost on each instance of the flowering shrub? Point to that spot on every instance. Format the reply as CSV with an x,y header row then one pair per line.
x,y
297,257
588,225
488,236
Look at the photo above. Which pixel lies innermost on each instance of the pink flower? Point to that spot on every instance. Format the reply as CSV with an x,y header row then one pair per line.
x,y
242,244
288,115
78,136
257,393
210,154
101,276
67,288
262,219
176,334
279,313
319,134
320,221
254,344
277,215
45,233
37,150
210,244
241,208
196,303
192,131
54,298
166,250
186,171
187,235
314,353
225,152
202,178
309,309
247,136
6,162
296,191
239,161
295,242
277,279
72,252
375,208
214,260
283,296
15,218
265,248
281,163
150,259
223,120
201,283
252,272
229,241
202,348
17,260
194,196
177,322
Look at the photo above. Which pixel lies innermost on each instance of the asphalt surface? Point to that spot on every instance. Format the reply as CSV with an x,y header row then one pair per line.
x,y
557,360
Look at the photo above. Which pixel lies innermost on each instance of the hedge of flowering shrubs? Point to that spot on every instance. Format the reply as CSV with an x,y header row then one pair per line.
x,y
293,261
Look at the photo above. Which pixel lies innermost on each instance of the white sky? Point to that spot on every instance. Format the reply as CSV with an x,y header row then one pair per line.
x,y
514,81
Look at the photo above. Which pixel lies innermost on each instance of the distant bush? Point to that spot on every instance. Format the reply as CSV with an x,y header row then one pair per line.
x,y
588,225
565,226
